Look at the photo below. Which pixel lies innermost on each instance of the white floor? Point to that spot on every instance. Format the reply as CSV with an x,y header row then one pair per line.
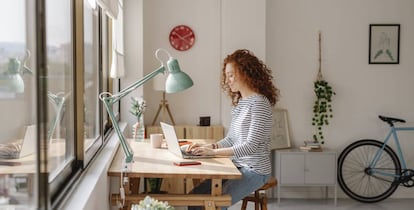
x,y
328,204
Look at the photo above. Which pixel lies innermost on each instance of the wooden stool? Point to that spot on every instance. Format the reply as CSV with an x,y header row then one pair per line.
x,y
259,197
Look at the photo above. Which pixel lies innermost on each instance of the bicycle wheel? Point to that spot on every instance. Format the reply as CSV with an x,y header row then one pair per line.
x,y
359,181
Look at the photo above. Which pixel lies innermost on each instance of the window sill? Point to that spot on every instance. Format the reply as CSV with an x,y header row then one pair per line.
x,y
94,186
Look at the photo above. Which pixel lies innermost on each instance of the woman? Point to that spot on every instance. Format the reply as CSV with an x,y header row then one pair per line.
x,y
248,82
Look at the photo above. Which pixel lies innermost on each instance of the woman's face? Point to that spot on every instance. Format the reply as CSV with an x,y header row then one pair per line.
x,y
231,77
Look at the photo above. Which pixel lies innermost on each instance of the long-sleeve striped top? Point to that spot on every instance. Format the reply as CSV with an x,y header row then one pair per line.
x,y
249,134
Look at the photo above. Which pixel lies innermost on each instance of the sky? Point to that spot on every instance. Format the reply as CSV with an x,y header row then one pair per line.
x,y
13,23
12,20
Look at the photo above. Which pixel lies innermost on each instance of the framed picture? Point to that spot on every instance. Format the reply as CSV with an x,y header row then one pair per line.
x,y
280,131
384,43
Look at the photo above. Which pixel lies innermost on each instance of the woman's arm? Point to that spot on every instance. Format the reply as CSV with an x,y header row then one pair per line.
x,y
212,149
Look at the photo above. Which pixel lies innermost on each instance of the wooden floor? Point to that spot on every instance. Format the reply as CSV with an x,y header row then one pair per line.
x,y
342,204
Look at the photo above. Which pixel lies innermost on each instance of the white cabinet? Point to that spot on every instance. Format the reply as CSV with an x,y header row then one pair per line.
x,y
298,168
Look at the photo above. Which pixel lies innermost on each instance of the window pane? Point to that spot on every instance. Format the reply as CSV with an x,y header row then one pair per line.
x,y
17,107
60,85
12,46
91,76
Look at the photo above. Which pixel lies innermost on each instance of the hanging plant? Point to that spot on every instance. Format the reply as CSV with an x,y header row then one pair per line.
x,y
322,108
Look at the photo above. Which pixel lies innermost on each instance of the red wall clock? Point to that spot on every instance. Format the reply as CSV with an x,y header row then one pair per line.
x,y
182,37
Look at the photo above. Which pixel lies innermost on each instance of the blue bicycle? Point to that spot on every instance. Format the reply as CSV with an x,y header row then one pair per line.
x,y
370,171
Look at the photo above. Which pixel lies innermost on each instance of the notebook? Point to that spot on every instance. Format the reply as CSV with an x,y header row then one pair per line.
x,y
173,144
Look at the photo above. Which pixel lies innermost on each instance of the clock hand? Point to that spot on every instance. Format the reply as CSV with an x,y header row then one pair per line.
x,y
183,37
189,34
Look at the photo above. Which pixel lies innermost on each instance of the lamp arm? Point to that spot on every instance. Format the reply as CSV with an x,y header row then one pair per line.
x,y
58,102
108,99
116,97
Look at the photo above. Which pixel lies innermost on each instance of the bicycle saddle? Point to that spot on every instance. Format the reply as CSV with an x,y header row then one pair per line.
x,y
390,120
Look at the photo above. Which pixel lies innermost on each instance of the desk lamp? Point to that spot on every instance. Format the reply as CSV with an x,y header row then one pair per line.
x,y
11,80
176,81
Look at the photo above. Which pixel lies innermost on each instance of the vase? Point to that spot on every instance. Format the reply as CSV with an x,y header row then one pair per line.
x,y
138,130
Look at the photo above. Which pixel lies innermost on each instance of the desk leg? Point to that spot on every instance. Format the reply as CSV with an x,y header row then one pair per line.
x,y
210,205
216,190
131,188
134,185
216,187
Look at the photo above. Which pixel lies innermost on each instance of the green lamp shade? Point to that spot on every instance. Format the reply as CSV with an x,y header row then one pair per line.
x,y
177,80
12,80
12,83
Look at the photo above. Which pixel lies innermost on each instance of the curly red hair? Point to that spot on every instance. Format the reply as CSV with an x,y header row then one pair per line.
x,y
253,72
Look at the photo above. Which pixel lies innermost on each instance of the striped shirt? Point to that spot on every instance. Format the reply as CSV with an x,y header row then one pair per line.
x,y
249,134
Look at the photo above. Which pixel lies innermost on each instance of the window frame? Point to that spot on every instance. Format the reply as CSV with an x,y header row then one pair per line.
x,y
60,187
50,191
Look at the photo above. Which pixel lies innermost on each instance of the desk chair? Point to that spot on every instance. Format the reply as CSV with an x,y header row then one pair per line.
x,y
259,196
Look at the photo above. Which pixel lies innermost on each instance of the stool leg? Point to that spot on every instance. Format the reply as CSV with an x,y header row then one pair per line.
x,y
256,200
263,202
244,205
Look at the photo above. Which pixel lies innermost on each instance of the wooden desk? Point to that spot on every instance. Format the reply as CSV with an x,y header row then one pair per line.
x,y
25,169
27,164
158,163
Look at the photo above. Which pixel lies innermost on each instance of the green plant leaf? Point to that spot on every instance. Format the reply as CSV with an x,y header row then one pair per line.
x,y
322,108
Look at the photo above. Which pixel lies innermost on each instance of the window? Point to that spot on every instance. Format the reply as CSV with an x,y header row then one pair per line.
x,y
17,96
61,92
76,70
91,58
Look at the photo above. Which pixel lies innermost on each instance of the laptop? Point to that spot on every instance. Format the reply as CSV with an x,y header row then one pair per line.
x,y
174,146
16,150
29,142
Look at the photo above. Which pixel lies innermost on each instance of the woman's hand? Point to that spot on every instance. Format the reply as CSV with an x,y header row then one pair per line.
x,y
202,150
193,146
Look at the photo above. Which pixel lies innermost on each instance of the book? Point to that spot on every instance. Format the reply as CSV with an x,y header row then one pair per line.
x,y
311,149
312,143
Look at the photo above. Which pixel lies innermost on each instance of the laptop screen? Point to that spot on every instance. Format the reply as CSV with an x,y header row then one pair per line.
x,y
171,139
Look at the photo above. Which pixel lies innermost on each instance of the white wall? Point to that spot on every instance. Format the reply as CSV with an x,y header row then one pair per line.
x,y
242,28
201,62
133,50
284,34
363,91
219,29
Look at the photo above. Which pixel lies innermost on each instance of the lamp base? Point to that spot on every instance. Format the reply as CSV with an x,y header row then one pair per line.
x,y
163,106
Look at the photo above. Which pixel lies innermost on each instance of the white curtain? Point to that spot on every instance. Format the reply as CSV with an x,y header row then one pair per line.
x,y
111,7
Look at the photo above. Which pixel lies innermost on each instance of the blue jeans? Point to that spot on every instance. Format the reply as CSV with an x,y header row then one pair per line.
x,y
237,188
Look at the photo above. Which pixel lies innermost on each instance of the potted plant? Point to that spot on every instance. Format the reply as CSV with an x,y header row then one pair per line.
x,y
151,204
322,107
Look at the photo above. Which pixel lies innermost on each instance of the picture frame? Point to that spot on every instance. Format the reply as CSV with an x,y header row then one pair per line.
x,y
384,44
280,130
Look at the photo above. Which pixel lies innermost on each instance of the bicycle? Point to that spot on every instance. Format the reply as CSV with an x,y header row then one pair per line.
x,y
370,171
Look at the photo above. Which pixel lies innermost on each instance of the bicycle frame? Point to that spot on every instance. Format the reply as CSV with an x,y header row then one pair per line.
x,y
393,132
